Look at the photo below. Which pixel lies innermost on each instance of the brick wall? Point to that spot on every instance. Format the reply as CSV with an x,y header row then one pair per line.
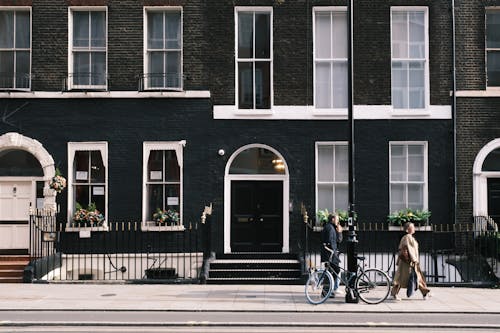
x,y
477,119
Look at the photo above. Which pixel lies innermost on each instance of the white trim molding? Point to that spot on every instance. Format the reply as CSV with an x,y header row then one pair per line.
x,y
14,140
308,112
108,94
480,179
73,147
491,92
228,178
147,147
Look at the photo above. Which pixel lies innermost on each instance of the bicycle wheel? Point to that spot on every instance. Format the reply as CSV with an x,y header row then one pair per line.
x,y
319,286
373,286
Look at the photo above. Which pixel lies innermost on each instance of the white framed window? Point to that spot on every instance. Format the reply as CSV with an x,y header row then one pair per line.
x,y
330,57
332,173
15,48
410,58
408,175
163,48
254,54
88,178
162,184
88,35
492,47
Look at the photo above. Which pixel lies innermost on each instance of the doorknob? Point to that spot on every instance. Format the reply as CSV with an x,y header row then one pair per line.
x,y
250,219
261,219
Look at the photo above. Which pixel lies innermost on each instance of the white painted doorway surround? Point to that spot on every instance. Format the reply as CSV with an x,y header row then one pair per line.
x,y
16,193
228,178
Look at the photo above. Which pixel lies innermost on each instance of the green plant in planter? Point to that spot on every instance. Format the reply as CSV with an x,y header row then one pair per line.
x,y
89,216
322,216
166,217
417,217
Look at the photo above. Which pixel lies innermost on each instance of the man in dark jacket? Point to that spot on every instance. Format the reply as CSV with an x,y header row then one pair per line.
x,y
330,237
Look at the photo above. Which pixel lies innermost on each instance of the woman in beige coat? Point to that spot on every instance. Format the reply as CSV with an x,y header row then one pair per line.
x,y
408,243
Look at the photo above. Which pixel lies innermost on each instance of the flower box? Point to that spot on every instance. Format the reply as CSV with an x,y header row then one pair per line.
x,y
417,228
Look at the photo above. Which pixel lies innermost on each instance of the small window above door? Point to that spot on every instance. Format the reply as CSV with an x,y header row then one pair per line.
x,y
19,163
257,161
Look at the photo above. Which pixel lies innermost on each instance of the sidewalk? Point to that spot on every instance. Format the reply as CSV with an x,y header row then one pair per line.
x,y
188,297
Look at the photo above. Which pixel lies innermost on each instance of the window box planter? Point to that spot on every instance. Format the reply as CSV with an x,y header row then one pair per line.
x,y
417,228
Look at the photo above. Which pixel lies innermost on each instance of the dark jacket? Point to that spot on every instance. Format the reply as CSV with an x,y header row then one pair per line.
x,y
330,237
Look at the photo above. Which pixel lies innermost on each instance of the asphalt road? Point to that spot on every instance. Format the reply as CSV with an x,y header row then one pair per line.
x,y
224,322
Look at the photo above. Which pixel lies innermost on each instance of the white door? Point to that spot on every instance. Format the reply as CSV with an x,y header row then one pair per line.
x,y
15,199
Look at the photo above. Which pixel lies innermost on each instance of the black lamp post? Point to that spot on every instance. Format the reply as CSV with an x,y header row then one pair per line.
x,y
351,238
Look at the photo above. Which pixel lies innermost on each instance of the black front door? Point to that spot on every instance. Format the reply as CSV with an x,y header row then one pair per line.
x,y
256,216
494,199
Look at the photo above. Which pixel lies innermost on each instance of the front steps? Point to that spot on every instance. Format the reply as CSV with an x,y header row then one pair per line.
x,y
12,267
255,268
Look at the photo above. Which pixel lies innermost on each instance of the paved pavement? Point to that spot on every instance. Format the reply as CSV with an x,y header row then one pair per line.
x,y
241,298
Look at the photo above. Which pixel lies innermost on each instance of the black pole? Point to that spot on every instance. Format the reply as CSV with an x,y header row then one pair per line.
x,y
351,238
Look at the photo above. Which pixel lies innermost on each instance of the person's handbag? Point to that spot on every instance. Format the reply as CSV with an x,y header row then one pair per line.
x,y
404,255
412,282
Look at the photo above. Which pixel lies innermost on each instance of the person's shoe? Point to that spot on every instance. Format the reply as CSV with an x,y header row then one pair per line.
x,y
339,292
396,298
428,295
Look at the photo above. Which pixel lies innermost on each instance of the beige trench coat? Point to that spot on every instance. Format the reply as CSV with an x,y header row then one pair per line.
x,y
403,272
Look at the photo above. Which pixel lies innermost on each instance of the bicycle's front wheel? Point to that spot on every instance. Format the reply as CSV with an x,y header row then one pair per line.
x,y
319,286
373,286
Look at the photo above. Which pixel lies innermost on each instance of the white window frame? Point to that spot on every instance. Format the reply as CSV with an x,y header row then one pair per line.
x,y
326,111
425,110
161,9
70,78
425,182
73,147
253,111
147,147
486,48
316,170
14,49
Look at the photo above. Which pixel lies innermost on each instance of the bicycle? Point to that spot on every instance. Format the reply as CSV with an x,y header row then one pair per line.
x,y
372,285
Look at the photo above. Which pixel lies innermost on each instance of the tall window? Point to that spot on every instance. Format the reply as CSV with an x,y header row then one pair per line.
x,y
163,63
408,176
493,47
163,180
330,58
409,58
254,59
88,48
15,49
88,176
332,187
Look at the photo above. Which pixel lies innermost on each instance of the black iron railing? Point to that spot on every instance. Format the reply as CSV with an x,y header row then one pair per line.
x,y
456,254
122,252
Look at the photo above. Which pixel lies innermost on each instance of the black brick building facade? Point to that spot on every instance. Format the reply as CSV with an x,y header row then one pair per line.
x,y
208,63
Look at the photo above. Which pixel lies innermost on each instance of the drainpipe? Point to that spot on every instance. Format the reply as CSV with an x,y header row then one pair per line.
x,y
454,114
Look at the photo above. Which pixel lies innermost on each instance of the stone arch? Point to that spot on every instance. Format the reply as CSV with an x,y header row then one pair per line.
x,y
480,178
14,140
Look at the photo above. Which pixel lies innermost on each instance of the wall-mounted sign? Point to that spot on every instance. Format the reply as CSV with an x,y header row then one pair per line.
x,y
172,201
98,190
82,175
84,233
155,175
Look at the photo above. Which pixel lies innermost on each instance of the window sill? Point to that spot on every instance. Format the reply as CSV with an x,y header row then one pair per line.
x,y
411,112
70,228
417,228
150,226
308,112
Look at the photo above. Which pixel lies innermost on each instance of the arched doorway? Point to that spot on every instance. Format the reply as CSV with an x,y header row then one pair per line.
x,y
256,192
486,181
25,170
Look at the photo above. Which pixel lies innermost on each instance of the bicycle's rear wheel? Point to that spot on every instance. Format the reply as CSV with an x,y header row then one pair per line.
x,y
373,286
319,286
